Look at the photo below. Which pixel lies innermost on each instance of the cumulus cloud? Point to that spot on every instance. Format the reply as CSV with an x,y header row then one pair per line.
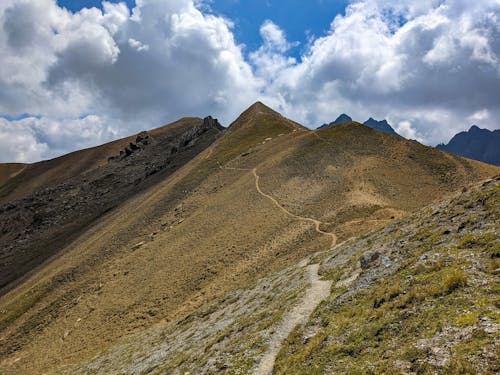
x,y
432,64
136,68
431,67
270,59
32,139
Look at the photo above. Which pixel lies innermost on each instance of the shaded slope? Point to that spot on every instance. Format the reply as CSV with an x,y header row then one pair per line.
x,y
9,170
207,230
37,226
478,144
52,172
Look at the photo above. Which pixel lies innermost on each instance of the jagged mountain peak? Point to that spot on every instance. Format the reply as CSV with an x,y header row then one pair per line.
x,y
381,125
343,118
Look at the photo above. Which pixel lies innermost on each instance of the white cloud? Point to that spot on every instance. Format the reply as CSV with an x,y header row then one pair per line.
x,y
32,139
62,66
429,63
431,67
137,45
19,143
405,129
270,59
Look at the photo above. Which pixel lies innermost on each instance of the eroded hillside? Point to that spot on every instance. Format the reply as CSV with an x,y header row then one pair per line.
x,y
44,221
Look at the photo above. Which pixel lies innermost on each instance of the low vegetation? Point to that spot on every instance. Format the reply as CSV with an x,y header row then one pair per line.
x,y
429,304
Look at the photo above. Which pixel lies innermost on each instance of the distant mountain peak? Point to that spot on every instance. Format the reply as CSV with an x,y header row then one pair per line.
x,y
340,120
382,125
476,143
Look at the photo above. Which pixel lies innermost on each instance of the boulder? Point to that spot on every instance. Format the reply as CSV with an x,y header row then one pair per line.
x,y
368,259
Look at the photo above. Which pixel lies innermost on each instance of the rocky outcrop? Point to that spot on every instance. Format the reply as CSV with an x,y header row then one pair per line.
x,y
35,227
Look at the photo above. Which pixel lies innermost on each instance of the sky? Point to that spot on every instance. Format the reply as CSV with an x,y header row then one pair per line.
x,y
78,73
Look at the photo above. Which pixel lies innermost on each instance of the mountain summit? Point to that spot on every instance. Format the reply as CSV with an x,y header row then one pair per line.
x,y
382,125
479,144
343,118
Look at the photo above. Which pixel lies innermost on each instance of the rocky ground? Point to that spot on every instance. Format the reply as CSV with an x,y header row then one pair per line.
x,y
419,296
36,226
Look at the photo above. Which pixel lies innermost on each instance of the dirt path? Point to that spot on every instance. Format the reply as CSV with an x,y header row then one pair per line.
x,y
318,291
317,223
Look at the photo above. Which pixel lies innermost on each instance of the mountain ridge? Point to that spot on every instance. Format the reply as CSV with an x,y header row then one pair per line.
x,y
274,191
382,125
476,143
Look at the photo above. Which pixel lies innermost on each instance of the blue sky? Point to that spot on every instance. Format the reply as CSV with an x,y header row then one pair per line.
x,y
300,19
431,68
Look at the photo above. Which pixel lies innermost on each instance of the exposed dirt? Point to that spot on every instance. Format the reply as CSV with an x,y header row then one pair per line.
x,y
298,314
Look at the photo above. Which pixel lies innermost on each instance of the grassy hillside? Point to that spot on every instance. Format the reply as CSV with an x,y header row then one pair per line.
x,y
261,198
8,170
418,296
36,176
423,299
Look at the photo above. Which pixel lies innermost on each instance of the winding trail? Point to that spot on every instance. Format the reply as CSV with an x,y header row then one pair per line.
x,y
316,223
299,314
317,292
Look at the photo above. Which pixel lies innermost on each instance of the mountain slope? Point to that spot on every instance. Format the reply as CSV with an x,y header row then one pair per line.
x,y
34,228
417,296
478,144
265,195
382,125
9,170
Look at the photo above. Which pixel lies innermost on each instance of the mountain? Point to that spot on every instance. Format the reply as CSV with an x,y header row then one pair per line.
x,y
9,170
402,299
52,202
228,225
371,123
380,125
340,120
478,144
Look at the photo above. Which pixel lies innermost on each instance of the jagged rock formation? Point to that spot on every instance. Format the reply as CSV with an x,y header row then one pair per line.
x,y
478,144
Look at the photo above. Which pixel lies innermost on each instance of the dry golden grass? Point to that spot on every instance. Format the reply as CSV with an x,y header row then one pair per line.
x,y
9,170
206,231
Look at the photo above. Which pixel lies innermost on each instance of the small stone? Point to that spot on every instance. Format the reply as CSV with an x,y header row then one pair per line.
x,y
487,182
138,245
